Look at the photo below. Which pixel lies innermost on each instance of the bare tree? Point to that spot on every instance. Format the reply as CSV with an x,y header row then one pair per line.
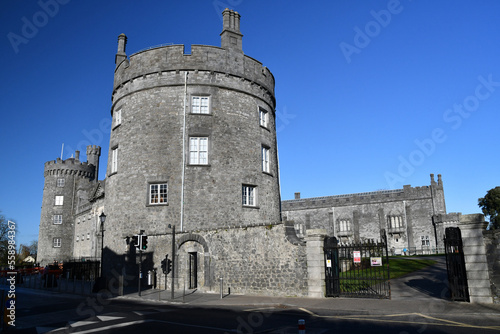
x,y
4,238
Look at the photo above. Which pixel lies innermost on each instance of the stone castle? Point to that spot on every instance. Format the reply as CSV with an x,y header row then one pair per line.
x,y
193,147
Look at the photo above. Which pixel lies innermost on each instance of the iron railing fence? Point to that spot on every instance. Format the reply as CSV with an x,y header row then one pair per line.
x,y
357,269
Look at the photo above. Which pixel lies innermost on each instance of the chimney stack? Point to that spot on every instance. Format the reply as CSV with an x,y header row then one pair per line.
x,y
231,37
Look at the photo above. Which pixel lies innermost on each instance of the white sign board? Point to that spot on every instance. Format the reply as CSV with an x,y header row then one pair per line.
x,y
328,263
376,261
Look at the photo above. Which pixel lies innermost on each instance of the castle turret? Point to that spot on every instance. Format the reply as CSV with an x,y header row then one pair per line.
x,y
195,147
231,37
437,192
62,178
93,154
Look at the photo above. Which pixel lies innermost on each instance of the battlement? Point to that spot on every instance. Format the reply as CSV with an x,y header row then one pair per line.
x,y
407,193
227,60
212,59
73,166
69,166
93,150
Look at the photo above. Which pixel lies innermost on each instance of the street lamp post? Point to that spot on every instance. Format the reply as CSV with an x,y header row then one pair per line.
x,y
100,282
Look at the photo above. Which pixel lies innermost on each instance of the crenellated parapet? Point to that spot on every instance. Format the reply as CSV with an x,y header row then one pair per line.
x,y
207,65
225,61
224,67
69,166
93,150
408,193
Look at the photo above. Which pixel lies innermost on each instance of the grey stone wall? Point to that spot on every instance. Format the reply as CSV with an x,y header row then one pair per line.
x,y
369,213
492,245
251,260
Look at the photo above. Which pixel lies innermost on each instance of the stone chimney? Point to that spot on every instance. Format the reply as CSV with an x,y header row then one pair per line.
x,y
231,37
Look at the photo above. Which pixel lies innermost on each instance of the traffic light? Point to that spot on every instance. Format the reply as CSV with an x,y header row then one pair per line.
x,y
144,242
164,266
135,241
169,266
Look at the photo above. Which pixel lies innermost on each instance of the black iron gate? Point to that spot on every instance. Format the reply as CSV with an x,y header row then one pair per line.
x,y
357,269
455,264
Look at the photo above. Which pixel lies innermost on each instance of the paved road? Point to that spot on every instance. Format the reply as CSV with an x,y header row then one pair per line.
x,y
418,306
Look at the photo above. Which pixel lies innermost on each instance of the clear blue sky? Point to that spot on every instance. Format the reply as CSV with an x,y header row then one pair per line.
x,y
370,95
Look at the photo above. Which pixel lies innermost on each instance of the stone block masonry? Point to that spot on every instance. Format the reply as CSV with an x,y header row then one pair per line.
x,y
476,261
255,260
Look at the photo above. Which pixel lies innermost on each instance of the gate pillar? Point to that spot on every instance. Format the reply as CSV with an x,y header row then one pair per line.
x,y
315,263
476,263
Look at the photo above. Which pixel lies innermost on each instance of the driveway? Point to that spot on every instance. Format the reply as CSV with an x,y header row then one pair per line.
x,y
430,282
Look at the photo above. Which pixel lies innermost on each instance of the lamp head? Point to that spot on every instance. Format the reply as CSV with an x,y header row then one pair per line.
x,y
102,218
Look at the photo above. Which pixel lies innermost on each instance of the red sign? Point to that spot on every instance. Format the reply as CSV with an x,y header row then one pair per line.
x,y
357,256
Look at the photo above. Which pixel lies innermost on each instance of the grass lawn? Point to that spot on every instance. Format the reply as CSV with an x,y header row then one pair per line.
x,y
400,266
375,278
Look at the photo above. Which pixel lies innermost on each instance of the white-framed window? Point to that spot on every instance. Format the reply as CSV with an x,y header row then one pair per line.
x,y
425,240
117,117
395,221
249,195
344,225
57,219
158,193
200,105
60,182
300,229
265,159
198,150
56,242
114,160
263,118
59,200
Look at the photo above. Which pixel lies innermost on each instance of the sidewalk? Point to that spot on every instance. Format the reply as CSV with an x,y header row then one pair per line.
x,y
430,306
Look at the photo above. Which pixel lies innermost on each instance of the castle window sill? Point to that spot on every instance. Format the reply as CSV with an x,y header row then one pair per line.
x,y
250,207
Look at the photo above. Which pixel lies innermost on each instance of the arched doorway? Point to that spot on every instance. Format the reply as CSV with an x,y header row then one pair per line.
x,y
193,262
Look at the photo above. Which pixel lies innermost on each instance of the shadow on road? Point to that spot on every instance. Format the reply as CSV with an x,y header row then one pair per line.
x,y
430,282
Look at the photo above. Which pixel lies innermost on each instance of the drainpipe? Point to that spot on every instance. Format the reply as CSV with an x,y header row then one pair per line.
x,y
183,153
406,223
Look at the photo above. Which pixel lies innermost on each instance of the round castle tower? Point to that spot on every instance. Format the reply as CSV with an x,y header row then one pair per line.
x,y
193,140
62,179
